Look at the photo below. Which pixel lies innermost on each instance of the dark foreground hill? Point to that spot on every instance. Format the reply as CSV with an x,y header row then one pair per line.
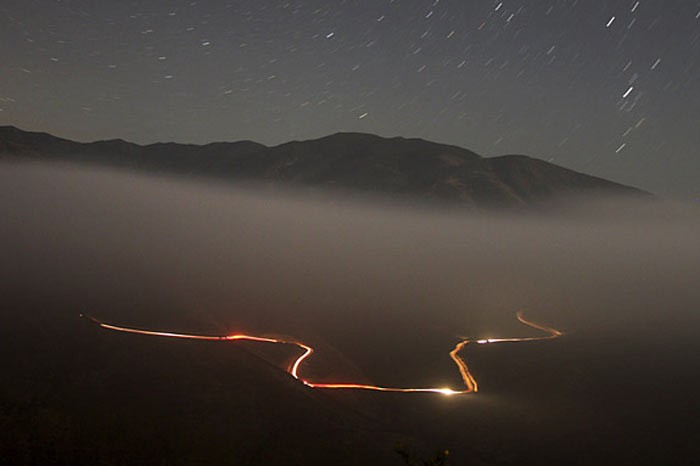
x,y
399,167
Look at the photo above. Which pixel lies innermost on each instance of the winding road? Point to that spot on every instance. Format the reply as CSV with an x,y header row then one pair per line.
x,y
470,384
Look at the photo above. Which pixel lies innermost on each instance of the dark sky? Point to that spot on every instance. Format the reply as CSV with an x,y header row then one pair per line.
x,y
607,87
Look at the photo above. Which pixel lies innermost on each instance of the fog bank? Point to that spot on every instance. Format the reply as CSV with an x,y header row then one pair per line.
x,y
161,252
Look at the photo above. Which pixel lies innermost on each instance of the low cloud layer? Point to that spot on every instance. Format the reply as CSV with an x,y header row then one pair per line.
x,y
164,252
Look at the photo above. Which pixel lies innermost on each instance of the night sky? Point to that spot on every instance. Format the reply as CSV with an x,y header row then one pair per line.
x,y
607,87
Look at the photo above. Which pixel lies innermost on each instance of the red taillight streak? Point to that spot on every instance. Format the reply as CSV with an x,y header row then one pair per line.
x,y
470,384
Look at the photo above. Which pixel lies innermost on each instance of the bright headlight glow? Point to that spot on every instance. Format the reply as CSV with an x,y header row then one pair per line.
x,y
447,391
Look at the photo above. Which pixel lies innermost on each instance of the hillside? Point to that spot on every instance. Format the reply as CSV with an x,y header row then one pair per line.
x,y
399,167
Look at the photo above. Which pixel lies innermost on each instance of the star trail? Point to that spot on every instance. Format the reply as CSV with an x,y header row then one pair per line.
x,y
607,87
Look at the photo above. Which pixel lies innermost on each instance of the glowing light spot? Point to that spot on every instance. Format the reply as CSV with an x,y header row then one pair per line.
x,y
447,391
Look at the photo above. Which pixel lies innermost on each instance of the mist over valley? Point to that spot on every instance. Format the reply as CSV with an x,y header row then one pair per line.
x,y
381,290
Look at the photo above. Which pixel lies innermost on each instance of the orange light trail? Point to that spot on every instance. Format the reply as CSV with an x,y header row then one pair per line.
x,y
470,384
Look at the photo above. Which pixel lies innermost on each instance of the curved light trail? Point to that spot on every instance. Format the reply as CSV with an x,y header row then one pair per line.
x,y
470,383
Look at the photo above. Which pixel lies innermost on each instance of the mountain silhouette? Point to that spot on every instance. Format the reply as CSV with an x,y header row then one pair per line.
x,y
399,167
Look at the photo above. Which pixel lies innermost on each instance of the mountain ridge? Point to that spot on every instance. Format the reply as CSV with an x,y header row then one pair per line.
x,y
404,168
